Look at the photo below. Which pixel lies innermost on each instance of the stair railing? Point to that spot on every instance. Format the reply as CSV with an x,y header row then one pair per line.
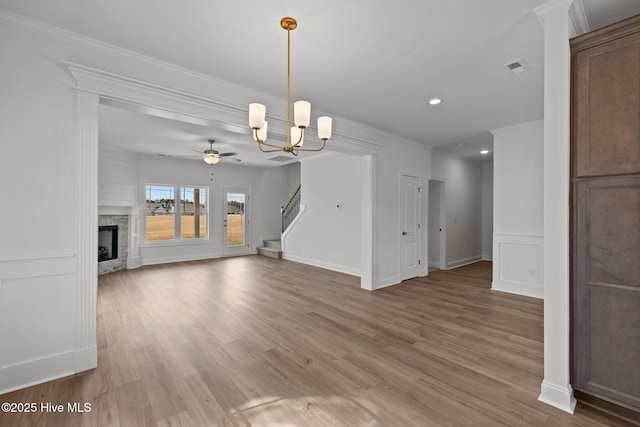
x,y
291,209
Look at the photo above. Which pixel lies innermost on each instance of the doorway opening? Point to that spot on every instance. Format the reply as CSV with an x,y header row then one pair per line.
x,y
437,222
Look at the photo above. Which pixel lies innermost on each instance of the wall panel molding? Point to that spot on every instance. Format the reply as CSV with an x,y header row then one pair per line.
x,y
25,283
518,264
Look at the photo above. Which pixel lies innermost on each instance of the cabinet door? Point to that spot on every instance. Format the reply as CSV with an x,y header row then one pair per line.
x,y
606,289
606,96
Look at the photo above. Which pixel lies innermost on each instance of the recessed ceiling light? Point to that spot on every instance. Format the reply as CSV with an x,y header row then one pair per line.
x,y
484,152
435,101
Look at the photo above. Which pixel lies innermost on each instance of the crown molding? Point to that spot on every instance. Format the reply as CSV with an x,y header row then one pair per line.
x,y
552,8
121,89
75,39
578,18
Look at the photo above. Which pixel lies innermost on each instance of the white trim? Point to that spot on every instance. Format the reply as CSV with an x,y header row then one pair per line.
x,y
462,262
321,264
87,223
559,397
519,282
180,258
367,210
551,9
578,19
37,266
557,69
38,371
387,281
24,373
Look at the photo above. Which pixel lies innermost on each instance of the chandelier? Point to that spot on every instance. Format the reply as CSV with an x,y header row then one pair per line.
x,y
301,113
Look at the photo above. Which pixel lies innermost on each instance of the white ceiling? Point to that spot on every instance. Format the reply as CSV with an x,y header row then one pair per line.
x,y
376,63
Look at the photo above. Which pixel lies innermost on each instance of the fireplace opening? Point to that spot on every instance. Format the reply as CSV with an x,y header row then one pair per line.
x,y
107,242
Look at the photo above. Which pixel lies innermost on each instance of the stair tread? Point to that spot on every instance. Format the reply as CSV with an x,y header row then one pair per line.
x,y
268,249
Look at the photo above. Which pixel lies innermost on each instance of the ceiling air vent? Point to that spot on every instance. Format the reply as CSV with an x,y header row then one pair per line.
x,y
280,158
518,66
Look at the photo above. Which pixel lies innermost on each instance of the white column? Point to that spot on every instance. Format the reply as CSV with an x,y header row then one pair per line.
x,y
87,229
367,225
556,388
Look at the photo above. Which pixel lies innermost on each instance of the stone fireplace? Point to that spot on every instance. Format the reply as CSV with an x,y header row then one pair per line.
x,y
113,243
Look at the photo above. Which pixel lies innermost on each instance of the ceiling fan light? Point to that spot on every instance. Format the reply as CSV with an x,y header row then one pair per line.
x,y
257,114
211,159
302,113
324,127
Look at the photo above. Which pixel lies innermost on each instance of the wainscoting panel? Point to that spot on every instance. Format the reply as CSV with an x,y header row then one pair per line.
x,y
38,319
517,264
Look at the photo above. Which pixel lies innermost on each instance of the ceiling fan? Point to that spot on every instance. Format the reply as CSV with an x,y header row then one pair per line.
x,y
212,156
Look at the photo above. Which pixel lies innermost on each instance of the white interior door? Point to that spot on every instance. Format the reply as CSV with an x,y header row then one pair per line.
x,y
236,222
409,226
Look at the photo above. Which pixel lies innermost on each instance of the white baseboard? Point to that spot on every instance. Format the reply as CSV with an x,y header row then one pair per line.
x,y
557,396
134,262
181,258
525,289
487,257
86,359
387,281
38,371
461,262
322,264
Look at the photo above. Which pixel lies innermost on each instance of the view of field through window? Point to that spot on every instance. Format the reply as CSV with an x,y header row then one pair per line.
x,y
161,213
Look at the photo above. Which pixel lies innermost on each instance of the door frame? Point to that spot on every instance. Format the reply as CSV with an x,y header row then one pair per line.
x,y
246,248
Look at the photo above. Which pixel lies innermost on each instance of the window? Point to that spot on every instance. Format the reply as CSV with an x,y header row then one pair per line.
x,y
165,222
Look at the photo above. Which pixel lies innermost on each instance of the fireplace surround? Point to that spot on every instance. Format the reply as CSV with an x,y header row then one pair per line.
x,y
113,243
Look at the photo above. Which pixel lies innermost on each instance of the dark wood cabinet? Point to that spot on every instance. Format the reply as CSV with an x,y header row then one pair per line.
x,y
605,214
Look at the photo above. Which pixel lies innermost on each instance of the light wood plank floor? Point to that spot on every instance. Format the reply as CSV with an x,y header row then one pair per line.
x,y
253,341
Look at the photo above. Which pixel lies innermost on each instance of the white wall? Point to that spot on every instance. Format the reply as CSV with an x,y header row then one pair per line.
x,y
518,204
487,211
463,194
327,232
267,189
395,159
38,294
117,177
293,178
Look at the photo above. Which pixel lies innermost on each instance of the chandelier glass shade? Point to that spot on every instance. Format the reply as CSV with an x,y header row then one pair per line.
x,y
301,114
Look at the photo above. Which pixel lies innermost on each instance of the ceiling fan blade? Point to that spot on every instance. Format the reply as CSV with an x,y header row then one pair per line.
x,y
227,154
233,158
179,157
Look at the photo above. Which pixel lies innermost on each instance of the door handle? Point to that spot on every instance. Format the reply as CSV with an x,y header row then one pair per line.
x,y
404,233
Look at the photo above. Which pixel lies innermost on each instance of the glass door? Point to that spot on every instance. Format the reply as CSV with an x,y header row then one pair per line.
x,y
236,222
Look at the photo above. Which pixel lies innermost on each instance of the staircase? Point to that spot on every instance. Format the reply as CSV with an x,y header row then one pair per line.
x,y
271,248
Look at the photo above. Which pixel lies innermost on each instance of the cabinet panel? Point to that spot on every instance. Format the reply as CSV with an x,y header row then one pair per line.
x,y
606,289
607,108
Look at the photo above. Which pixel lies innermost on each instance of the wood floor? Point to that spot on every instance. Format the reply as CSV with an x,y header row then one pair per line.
x,y
253,341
